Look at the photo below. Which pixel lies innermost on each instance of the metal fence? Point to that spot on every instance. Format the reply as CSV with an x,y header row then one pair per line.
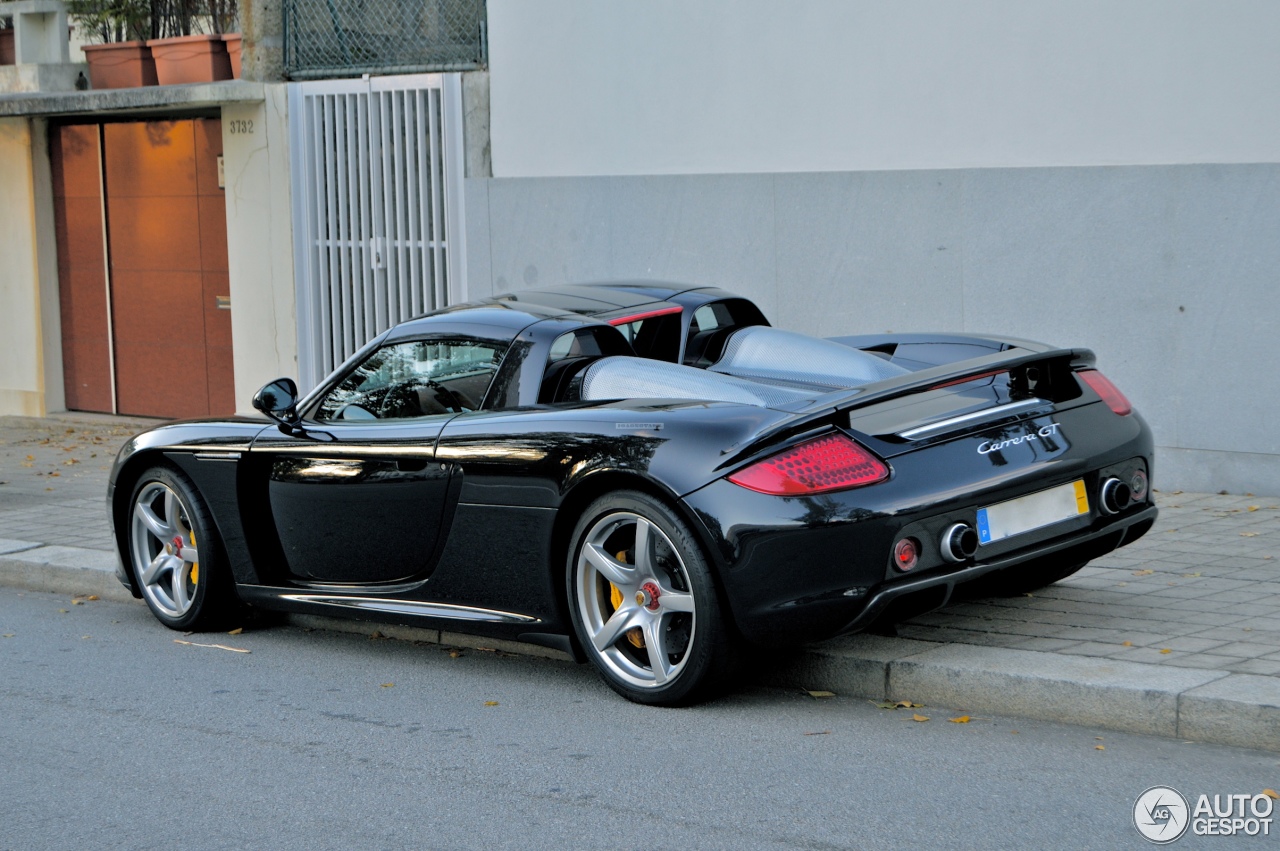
x,y
346,38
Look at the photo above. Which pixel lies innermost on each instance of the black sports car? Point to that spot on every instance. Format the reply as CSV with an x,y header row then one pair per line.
x,y
647,476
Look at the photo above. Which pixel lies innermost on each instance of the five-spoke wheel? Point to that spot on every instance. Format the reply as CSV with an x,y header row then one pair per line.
x,y
644,606
168,531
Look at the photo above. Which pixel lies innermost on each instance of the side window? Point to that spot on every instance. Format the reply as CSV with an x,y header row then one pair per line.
x,y
711,326
420,378
572,352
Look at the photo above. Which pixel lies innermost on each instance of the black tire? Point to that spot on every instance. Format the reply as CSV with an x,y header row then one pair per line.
x,y
1026,578
674,653
184,593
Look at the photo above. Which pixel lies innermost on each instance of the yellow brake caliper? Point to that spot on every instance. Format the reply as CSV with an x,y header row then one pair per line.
x,y
615,596
195,565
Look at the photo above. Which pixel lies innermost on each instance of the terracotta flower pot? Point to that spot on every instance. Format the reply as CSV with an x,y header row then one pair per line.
x,y
190,59
6,47
125,65
232,41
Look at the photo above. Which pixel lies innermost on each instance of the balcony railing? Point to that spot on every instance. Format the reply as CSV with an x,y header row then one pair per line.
x,y
347,38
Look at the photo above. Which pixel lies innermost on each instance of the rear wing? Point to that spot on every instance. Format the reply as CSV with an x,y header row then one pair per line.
x,y
1044,374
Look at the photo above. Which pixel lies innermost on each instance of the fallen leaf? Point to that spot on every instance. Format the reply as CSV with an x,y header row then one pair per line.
x,y
884,704
1097,738
375,635
238,630
822,694
454,654
63,611
1146,572
69,462
1126,643
8,635
1242,534
212,646
1099,747
1271,793
491,703
487,649
388,685
822,733
1013,732
918,717
93,598
906,704
1253,508
77,602
31,457
1164,650
1191,575
963,719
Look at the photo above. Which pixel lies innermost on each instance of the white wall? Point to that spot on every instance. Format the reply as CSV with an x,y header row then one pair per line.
x,y
628,87
264,330
30,326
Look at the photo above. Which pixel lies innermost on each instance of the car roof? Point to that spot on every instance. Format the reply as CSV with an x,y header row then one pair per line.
x,y
506,315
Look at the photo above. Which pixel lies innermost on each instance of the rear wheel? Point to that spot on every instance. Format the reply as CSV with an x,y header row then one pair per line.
x,y
176,555
644,605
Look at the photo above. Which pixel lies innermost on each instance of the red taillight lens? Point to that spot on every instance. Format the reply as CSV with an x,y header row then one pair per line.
x,y
1109,392
826,464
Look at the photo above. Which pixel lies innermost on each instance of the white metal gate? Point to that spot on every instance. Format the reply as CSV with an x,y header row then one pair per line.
x,y
377,209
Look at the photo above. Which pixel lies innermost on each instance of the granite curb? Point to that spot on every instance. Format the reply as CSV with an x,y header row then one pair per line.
x,y
1215,707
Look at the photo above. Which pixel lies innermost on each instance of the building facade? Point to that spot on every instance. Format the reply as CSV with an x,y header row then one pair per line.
x,y
1095,174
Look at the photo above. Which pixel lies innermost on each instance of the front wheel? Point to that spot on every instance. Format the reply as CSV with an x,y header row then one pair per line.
x,y
175,554
644,605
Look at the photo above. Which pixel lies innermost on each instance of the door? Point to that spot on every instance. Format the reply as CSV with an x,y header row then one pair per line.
x,y
167,243
359,496
142,265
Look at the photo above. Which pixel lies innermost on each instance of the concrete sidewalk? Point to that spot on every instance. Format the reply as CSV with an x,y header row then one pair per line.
x,y
1176,635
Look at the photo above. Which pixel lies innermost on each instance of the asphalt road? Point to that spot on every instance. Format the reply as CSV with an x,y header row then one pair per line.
x,y
114,736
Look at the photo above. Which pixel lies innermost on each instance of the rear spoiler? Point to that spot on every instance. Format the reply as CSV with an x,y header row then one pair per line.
x,y
827,406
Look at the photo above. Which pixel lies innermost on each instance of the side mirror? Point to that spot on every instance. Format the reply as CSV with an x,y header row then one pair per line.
x,y
279,401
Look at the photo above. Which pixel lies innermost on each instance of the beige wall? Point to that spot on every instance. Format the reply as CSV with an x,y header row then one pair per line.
x,y
264,334
31,351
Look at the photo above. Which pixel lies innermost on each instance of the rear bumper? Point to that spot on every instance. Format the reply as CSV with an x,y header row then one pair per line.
x,y
1077,548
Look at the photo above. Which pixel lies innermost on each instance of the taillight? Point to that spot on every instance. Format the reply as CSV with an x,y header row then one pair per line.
x,y
830,463
1109,392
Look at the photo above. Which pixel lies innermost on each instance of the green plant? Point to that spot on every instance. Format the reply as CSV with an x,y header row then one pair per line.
x,y
109,21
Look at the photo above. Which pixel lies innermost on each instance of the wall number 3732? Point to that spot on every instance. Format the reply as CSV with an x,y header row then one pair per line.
x,y
240,126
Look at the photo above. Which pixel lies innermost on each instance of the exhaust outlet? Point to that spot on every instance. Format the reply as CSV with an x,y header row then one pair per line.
x,y
1115,496
959,542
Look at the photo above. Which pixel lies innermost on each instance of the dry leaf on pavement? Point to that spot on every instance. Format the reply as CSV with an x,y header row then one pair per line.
x,y
236,631
388,685
1099,747
212,646
918,717
1271,793
963,719
821,693
491,703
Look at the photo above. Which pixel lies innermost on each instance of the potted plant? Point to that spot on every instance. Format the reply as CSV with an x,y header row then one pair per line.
x,y
120,57
182,53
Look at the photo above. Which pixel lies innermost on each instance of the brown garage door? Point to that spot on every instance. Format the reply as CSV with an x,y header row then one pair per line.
x,y
152,337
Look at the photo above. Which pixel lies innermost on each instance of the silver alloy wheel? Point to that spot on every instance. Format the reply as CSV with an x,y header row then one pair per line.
x,y
655,598
165,559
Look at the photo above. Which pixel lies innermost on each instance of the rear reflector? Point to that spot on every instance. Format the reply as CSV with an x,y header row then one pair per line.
x,y
830,463
1109,392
